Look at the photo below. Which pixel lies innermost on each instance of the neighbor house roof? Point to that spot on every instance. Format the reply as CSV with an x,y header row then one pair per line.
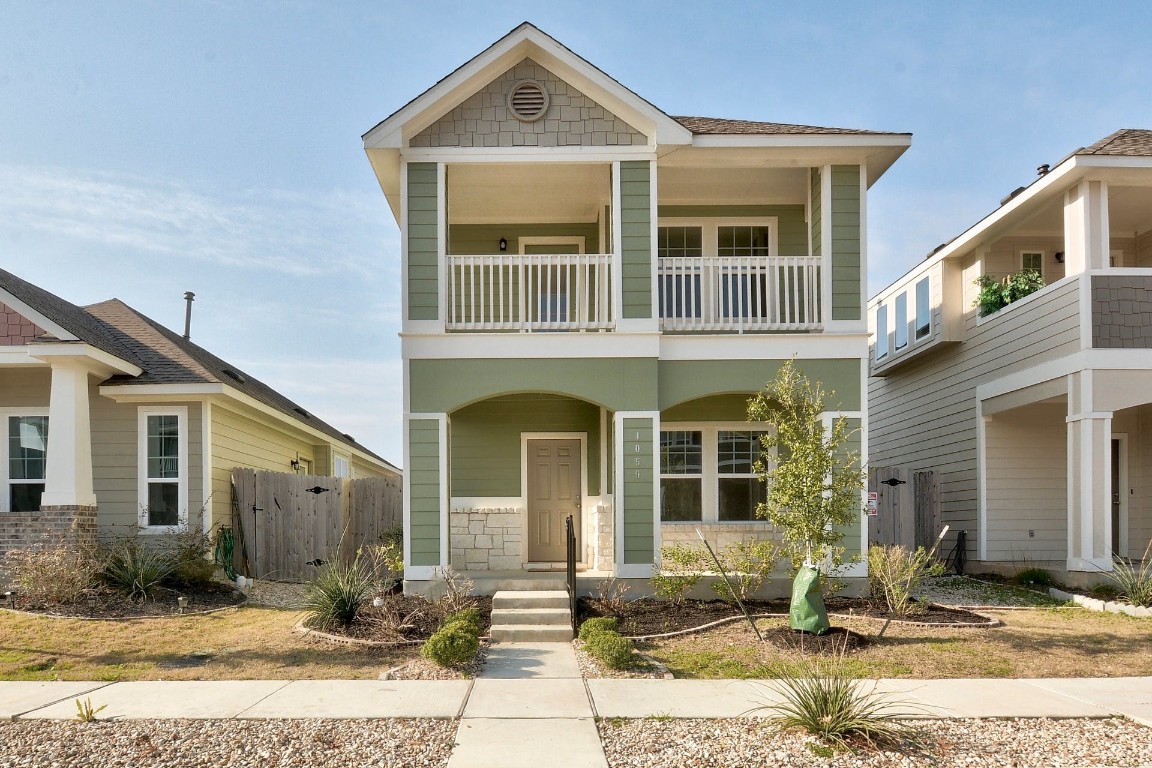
x,y
1128,142
168,358
721,126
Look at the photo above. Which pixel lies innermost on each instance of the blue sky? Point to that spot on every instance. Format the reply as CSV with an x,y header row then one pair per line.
x,y
148,148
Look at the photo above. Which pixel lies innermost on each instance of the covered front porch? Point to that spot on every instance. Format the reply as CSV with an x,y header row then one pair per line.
x,y
1065,474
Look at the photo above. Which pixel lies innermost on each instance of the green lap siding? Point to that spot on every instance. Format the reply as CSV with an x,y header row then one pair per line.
x,y
636,239
851,540
423,249
486,446
424,491
817,211
683,381
484,239
847,291
639,548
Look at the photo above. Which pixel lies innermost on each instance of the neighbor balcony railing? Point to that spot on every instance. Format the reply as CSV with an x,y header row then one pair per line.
x,y
740,293
530,292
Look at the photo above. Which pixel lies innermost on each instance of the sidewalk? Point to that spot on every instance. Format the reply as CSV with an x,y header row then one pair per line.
x,y
528,693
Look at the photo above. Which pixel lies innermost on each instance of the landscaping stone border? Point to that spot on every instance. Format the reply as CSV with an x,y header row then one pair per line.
x,y
240,604
1103,606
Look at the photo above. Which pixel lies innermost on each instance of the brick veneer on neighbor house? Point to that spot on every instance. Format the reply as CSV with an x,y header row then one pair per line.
x,y
15,330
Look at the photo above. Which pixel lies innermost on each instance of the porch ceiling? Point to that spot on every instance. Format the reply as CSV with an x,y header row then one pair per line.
x,y
485,193
732,186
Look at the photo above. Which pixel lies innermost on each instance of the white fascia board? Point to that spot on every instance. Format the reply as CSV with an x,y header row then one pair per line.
x,y
1085,360
99,360
804,140
527,154
29,313
525,41
18,356
527,345
137,393
813,346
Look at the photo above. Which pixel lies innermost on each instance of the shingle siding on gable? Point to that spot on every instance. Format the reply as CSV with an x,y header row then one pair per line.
x,y
1122,312
847,293
15,329
572,119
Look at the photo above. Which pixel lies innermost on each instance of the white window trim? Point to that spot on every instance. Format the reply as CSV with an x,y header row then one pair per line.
x,y
710,230
897,325
710,475
181,412
883,341
338,457
916,336
5,480
1043,259
576,240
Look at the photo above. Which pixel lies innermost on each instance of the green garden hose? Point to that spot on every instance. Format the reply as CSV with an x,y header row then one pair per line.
x,y
225,544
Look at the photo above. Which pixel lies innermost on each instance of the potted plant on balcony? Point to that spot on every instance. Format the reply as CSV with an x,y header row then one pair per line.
x,y
996,294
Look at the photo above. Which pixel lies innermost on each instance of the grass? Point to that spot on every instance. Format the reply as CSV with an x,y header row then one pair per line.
x,y
249,643
1053,642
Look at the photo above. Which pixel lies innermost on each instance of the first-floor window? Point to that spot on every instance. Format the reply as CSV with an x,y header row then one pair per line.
x,y
27,461
707,474
163,467
340,466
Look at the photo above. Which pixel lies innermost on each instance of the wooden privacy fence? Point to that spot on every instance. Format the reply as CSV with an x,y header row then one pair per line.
x,y
287,524
907,507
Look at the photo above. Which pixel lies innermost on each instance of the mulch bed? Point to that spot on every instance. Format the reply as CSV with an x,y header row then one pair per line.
x,y
420,619
105,603
647,616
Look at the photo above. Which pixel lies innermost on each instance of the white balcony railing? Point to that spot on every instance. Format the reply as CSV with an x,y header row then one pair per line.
x,y
530,292
740,293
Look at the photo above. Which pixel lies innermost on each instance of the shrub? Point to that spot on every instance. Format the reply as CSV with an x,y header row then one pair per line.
x,y
56,573
996,294
747,565
137,570
611,595
337,593
821,698
469,618
457,591
386,559
611,648
452,645
592,626
189,550
894,574
1034,577
1134,580
680,569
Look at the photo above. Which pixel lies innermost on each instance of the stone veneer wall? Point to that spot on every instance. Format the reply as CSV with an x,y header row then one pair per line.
x,y
572,119
48,527
719,535
15,329
602,552
486,539
1122,312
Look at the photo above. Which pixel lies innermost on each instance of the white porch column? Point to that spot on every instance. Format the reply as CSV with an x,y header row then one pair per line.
x,y
1089,457
68,474
1086,231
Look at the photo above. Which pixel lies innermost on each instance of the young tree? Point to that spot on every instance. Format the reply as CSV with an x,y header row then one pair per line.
x,y
815,485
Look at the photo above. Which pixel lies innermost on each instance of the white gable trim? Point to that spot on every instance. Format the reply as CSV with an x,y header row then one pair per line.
x,y
526,41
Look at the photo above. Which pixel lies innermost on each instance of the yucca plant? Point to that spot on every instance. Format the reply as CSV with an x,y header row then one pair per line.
x,y
137,570
1134,580
821,698
335,597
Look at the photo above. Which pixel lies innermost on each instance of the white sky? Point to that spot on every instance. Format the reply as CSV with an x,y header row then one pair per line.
x,y
149,148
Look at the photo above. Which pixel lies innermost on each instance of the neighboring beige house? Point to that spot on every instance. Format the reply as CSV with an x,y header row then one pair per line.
x,y
109,419
1036,419
592,290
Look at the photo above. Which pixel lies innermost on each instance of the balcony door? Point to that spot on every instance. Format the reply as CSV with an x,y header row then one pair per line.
x,y
554,480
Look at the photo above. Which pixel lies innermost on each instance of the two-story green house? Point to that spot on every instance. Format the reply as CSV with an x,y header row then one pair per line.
x,y
592,291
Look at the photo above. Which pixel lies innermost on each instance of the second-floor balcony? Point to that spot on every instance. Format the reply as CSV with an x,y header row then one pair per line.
x,y
576,292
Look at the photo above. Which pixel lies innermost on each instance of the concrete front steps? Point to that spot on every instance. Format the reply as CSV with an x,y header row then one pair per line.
x,y
537,616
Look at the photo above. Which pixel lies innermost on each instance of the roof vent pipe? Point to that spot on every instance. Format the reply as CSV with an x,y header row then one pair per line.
x,y
189,297
1043,170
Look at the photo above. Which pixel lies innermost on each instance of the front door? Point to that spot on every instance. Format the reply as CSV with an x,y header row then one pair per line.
x,y
553,494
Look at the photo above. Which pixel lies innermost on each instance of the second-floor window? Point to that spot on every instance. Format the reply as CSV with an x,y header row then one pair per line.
x,y
923,309
881,331
1032,261
901,321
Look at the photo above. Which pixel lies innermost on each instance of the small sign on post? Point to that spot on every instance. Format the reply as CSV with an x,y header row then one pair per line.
x,y
873,504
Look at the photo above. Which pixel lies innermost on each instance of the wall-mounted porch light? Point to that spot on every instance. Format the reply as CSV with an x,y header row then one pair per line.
x,y
503,244
1059,257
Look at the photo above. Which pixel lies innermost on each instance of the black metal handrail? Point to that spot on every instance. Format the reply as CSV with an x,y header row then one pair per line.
x,y
570,575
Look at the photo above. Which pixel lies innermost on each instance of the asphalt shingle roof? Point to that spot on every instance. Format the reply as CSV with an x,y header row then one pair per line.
x,y
1129,142
722,126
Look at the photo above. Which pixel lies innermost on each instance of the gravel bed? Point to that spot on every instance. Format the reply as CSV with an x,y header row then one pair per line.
x,y
1033,743
276,594
961,590
191,743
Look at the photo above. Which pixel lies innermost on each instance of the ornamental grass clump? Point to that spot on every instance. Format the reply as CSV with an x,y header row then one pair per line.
x,y
1134,580
895,574
336,595
136,570
822,698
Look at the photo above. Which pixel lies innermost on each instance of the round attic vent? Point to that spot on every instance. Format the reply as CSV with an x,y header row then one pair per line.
x,y
528,100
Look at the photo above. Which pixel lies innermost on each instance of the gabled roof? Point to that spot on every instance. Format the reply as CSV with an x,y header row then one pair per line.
x,y
1127,142
76,324
713,126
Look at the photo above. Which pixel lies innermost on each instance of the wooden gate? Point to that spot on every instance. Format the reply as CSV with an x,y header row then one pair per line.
x,y
287,524
907,507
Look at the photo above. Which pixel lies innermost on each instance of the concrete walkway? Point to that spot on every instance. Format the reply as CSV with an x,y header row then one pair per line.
x,y
531,695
